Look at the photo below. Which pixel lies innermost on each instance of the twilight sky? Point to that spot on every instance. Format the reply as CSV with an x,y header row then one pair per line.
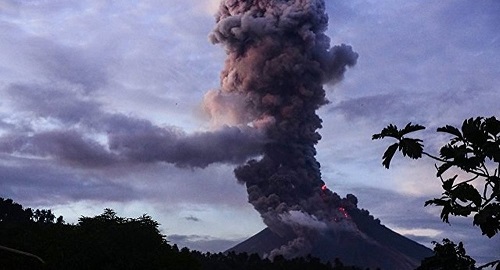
x,y
102,108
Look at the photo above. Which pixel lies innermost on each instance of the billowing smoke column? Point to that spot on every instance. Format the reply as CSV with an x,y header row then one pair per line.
x,y
278,59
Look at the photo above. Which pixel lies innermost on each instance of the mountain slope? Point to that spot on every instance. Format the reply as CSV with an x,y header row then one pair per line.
x,y
374,245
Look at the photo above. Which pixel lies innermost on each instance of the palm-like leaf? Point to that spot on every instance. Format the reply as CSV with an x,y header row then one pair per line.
x,y
410,128
389,131
388,154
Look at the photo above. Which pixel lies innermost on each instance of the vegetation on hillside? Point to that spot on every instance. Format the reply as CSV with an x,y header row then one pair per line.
x,y
37,240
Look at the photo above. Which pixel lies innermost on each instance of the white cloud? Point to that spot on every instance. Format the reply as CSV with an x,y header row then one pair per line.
x,y
418,232
299,218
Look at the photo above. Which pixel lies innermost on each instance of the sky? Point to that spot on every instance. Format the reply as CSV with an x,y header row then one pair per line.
x,y
102,107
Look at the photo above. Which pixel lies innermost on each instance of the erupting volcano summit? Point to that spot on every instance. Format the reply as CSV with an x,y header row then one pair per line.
x,y
278,59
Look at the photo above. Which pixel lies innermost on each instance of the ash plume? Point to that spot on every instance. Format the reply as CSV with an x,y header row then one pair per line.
x,y
278,59
124,139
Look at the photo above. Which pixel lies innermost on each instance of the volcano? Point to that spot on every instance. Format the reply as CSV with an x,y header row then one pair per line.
x,y
372,245
278,60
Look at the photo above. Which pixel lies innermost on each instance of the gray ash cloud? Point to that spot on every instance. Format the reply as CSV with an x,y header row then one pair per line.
x,y
278,59
124,139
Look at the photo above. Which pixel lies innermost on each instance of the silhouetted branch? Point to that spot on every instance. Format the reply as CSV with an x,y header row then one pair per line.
x,y
21,253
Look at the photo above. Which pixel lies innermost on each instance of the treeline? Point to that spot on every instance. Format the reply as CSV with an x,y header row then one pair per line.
x,y
36,239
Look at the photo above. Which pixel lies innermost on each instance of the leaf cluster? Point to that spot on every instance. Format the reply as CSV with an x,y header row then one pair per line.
x,y
473,149
448,255
410,147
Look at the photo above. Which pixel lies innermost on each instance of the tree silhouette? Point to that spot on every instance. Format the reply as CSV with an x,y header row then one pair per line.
x,y
473,156
475,150
108,241
14,212
448,256
43,216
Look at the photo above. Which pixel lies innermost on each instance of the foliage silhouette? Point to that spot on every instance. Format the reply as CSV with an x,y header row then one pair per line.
x,y
475,150
108,241
448,256
14,212
409,147
473,155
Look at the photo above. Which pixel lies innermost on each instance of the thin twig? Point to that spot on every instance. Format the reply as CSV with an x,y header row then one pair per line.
x,y
434,157
22,253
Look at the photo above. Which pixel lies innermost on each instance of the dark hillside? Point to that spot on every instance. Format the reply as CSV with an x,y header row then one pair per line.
x,y
373,246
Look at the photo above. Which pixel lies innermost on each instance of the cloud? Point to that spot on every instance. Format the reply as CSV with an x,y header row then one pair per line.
x,y
128,139
35,57
67,146
424,56
192,218
65,79
33,182
203,243
301,219
372,107
60,102
227,145
422,106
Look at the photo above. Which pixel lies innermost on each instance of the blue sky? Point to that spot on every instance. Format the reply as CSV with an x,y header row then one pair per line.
x,y
72,72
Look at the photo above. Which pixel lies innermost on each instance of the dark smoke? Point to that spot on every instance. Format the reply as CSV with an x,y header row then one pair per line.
x,y
227,145
278,59
125,139
230,145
